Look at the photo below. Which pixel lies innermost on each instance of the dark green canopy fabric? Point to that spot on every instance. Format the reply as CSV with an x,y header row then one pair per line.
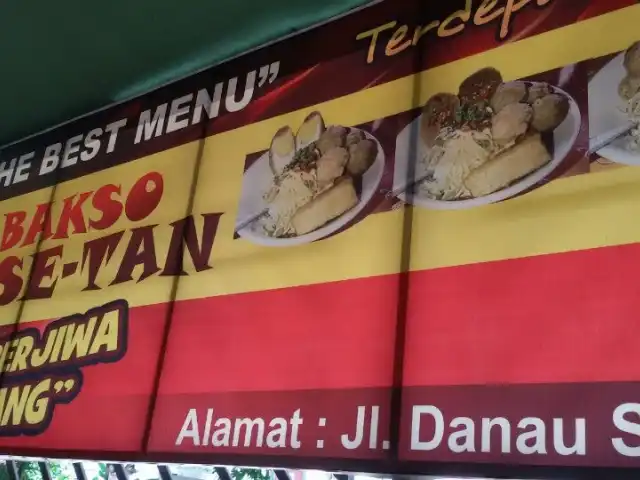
x,y
65,58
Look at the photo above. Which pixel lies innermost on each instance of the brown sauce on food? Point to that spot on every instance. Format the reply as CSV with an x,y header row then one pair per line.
x,y
305,159
480,86
474,115
441,110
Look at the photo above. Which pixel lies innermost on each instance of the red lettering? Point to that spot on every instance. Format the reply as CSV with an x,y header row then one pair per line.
x,y
42,269
110,208
141,250
184,234
12,229
41,223
10,280
96,253
144,196
72,214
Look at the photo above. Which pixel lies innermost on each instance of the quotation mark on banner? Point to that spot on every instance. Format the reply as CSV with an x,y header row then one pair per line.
x,y
67,385
268,71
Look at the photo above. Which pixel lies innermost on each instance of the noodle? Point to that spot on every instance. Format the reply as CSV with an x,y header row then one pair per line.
x,y
294,189
633,111
448,165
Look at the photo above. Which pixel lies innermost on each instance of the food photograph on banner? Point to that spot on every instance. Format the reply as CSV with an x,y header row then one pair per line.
x,y
614,99
490,139
310,184
405,249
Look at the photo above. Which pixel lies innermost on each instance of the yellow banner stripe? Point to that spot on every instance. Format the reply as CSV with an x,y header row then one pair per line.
x,y
575,213
552,219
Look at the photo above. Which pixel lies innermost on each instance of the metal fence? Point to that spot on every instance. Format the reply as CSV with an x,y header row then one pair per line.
x,y
45,469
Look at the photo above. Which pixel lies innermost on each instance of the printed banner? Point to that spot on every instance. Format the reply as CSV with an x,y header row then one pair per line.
x,y
403,238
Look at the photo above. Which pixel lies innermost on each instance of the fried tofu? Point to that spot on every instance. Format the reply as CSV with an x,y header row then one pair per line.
x,y
330,204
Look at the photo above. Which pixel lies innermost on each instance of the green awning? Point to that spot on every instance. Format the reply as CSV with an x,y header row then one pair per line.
x,y
66,58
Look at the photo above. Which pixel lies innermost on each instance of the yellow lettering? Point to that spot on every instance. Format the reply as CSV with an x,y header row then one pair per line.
x,y
422,31
3,354
462,15
374,38
107,334
40,356
395,45
15,405
21,355
38,403
7,355
3,401
78,340
512,7
57,345
484,13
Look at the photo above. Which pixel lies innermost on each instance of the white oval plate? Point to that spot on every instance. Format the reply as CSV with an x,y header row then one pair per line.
x,y
257,181
618,152
606,112
409,148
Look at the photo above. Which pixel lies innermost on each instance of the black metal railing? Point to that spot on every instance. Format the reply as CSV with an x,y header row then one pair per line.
x,y
41,469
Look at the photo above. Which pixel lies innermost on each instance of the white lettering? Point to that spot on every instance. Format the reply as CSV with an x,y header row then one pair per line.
x,y
222,435
626,426
579,447
71,148
348,443
6,172
205,102
438,431
537,435
230,102
179,108
190,429
465,434
151,127
51,158
248,425
277,438
91,145
207,427
113,129
505,433
22,169
296,421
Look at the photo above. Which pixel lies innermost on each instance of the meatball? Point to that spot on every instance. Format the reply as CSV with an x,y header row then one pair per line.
x,y
482,85
331,165
511,122
332,137
361,157
538,90
439,111
428,133
354,137
549,112
629,87
632,60
507,93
